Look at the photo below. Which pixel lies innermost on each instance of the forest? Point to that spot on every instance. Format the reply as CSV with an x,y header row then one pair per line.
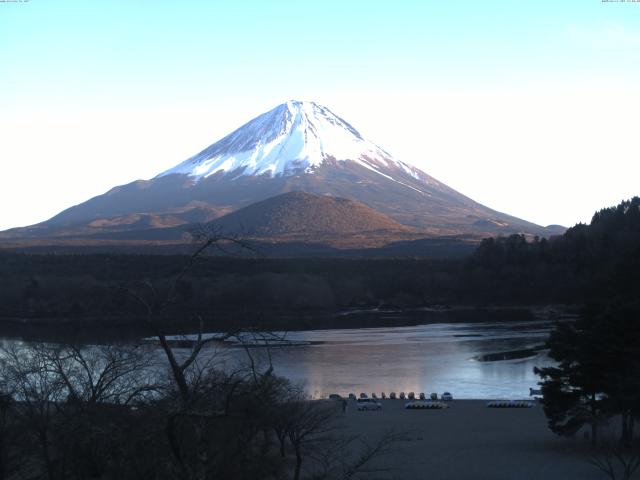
x,y
589,263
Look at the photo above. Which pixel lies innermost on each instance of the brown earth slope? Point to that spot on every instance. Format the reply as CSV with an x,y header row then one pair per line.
x,y
305,213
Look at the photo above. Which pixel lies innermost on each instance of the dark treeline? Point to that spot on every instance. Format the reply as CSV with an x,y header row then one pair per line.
x,y
600,260
595,379
87,287
588,263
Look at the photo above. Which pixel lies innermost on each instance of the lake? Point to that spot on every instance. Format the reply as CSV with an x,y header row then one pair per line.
x,y
424,358
434,357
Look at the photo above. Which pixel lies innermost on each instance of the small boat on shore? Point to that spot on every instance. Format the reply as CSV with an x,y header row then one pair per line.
x,y
510,404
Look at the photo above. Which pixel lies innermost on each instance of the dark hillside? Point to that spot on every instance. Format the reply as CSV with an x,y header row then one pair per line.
x,y
306,213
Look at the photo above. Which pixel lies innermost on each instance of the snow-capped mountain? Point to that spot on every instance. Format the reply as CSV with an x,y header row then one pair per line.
x,y
292,138
297,146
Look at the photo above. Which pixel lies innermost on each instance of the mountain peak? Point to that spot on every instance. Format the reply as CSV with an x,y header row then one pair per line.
x,y
296,136
315,113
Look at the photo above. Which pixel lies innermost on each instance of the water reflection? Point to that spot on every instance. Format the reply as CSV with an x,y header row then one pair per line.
x,y
426,358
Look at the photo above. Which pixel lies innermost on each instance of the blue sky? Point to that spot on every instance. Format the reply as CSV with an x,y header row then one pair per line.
x,y
528,107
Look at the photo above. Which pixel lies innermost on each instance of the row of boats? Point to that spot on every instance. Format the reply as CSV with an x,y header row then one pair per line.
x,y
434,401
511,404
446,396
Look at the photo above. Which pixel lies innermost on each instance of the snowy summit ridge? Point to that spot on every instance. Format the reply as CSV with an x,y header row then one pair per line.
x,y
293,137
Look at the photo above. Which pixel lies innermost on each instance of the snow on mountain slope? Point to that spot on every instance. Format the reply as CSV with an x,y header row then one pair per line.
x,y
293,137
297,146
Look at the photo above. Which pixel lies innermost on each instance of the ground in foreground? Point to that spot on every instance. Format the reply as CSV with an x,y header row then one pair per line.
x,y
470,441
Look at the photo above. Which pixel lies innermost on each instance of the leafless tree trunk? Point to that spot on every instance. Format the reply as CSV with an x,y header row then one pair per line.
x,y
352,457
154,303
6,411
308,422
616,459
182,371
39,394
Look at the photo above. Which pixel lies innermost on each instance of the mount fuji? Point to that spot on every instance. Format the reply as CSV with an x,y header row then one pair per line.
x,y
297,146
295,137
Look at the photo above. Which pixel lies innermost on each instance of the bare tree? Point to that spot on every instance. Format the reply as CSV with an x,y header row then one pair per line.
x,y
155,302
25,371
617,460
309,423
280,419
116,374
62,395
352,457
6,432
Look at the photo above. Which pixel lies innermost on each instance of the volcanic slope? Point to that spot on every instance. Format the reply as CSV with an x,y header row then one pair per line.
x,y
302,214
297,146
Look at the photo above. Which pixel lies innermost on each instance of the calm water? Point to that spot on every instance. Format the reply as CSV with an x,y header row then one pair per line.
x,y
425,358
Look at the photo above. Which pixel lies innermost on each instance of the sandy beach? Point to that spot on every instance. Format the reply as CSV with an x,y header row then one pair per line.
x,y
470,441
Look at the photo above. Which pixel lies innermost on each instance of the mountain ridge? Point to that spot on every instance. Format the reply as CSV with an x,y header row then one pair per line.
x,y
297,146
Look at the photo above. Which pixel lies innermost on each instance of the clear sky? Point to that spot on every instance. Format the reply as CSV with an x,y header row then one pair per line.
x,y
530,107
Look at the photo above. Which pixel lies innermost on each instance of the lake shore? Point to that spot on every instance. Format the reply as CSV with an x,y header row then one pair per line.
x,y
470,441
89,329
